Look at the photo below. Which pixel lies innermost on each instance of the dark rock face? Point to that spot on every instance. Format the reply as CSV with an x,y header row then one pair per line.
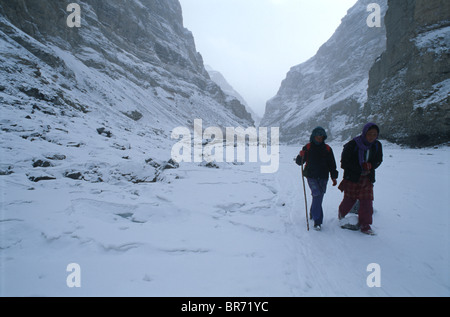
x,y
151,32
140,42
409,86
406,90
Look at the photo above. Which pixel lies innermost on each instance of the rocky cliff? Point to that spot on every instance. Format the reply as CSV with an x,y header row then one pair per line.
x,y
99,102
330,89
409,86
131,58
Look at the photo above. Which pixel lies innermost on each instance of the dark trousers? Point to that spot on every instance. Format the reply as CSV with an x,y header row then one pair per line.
x,y
365,212
318,189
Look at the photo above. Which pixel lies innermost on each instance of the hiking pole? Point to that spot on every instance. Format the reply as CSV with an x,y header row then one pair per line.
x,y
306,204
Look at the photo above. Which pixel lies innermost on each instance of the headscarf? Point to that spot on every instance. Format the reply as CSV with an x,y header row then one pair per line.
x,y
319,131
362,143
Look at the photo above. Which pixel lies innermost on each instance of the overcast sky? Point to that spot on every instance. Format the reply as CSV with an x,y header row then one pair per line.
x,y
254,43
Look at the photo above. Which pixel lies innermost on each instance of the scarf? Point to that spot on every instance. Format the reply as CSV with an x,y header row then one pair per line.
x,y
363,144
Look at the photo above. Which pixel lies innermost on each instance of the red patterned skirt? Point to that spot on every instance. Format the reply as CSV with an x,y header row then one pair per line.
x,y
362,190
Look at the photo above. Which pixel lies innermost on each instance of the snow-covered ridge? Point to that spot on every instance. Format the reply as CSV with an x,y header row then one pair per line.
x,y
220,80
61,85
141,59
331,84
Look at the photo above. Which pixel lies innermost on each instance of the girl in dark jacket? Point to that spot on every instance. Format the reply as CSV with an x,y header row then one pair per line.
x,y
360,158
320,164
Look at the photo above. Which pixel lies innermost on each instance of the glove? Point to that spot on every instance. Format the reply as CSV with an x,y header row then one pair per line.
x,y
367,166
334,182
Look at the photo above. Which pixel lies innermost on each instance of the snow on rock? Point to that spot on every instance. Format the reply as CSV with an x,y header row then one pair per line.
x,y
331,84
408,92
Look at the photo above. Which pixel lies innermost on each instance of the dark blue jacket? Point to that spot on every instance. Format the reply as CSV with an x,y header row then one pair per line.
x,y
320,161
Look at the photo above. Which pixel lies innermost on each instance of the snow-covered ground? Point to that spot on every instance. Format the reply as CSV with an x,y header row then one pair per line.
x,y
227,231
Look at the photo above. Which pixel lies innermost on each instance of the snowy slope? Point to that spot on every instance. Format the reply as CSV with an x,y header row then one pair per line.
x,y
145,69
230,231
330,88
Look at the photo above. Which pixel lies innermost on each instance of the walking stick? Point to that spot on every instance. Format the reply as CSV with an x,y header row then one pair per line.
x,y
306,204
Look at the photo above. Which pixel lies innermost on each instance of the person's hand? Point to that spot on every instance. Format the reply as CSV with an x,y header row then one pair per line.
x,y
367,166
334,182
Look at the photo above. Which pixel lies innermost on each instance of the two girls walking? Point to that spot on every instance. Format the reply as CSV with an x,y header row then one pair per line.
x,y
360,158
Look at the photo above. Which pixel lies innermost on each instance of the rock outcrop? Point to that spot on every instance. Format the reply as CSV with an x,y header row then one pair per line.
x,y
134,57
409,86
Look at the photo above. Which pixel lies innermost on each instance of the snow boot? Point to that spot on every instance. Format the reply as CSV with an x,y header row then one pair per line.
x,y
368,230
